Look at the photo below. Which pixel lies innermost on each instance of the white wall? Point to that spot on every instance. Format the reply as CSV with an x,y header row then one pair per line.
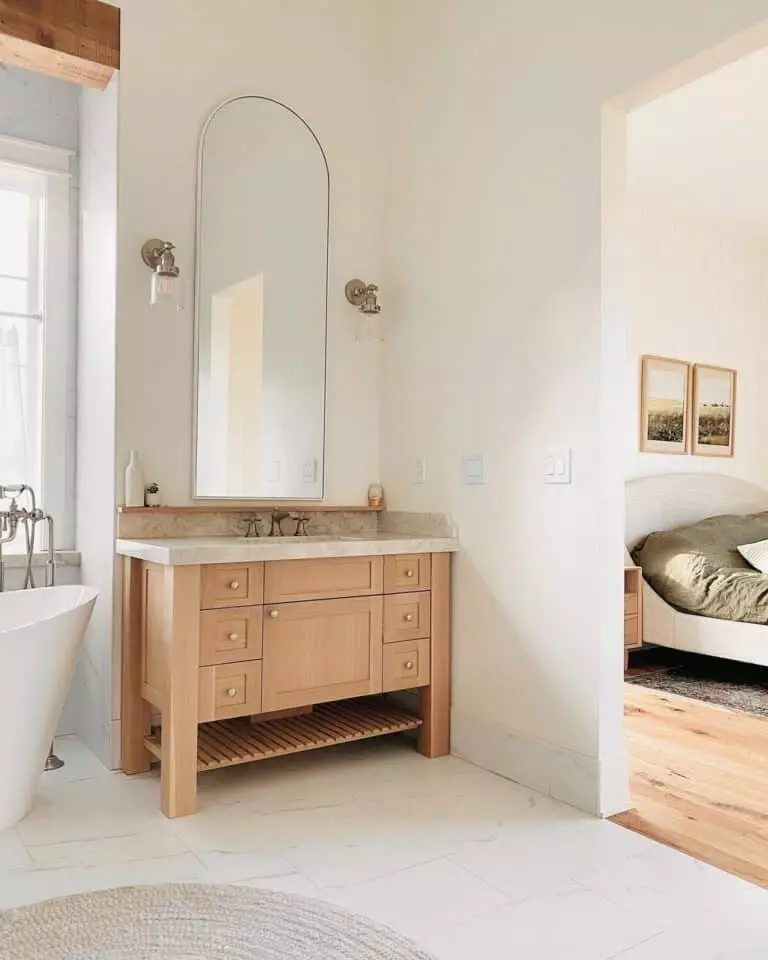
x,y
324,60
698,291
494,222
321,58
92,693
38,108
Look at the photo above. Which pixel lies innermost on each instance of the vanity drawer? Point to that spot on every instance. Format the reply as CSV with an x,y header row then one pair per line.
x,y
229,690
231,585
405,665
230,635
407,572
289,580
406,616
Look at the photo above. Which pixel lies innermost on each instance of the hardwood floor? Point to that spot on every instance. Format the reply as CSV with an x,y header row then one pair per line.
x,y
699,780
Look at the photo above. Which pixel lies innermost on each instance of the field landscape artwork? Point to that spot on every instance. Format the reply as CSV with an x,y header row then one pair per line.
x,y
714,394
664,405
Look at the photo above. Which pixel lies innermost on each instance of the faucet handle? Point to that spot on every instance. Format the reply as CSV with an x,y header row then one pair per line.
x,y
253,528
301,525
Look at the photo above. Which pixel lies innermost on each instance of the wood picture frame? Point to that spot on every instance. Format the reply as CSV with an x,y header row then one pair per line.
x,y
714,411
665,405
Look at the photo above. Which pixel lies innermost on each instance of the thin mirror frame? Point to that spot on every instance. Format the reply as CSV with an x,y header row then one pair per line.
x,y
196,332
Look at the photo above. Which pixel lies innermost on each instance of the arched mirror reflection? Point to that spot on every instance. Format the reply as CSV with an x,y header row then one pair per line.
x,y
261,304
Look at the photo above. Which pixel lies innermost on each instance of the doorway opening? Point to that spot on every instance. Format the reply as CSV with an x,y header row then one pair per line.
x,y
685,289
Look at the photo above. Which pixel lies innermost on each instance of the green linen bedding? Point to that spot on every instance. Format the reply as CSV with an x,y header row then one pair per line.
x,y
699,570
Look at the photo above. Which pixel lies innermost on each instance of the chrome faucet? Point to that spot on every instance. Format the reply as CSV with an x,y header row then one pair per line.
x,y
27,518
275,529
13,520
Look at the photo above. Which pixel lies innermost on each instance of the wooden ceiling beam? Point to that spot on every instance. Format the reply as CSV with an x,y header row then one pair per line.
x,y
76,40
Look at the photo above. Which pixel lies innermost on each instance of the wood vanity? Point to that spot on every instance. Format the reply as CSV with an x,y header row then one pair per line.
x,y
250,660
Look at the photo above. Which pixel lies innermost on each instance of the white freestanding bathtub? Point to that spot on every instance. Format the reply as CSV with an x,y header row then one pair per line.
x,y
41,633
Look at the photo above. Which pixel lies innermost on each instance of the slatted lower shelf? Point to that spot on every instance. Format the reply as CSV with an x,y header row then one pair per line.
x,y
225,743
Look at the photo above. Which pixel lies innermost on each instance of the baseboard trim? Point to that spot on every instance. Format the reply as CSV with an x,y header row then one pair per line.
x,y
598,787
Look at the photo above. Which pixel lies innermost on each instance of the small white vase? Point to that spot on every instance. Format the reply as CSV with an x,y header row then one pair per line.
x,y
134,482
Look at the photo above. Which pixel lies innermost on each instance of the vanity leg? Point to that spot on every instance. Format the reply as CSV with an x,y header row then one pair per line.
x,y
178,764
435,700
135,711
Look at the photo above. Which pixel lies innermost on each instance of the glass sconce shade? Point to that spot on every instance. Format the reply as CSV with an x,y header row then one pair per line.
x,y
166,282
166,288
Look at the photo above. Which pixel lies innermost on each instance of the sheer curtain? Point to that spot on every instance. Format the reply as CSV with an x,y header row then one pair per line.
x,y
15,448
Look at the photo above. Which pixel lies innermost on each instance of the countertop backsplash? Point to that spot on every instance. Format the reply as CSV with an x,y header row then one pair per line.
x,y
145,525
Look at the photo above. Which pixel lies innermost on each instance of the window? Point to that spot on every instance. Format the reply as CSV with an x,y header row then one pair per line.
x,y
37,324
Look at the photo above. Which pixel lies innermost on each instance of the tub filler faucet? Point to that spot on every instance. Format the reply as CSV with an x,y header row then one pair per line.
x,y
15,519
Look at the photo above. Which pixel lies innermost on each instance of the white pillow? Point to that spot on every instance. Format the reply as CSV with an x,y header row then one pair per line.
x,y
756,554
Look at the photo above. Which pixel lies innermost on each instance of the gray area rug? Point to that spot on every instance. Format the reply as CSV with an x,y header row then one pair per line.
x,y
740,686
195,922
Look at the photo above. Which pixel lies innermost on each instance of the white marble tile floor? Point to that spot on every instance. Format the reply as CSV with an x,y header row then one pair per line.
x,y
468,864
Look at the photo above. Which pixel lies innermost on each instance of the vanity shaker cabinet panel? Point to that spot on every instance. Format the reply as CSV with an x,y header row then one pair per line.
x,y
406,616
406,665
229,635
407,572
321,650
231,585
229,690
329,577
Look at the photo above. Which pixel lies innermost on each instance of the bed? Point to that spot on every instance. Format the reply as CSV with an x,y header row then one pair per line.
x,y
674,500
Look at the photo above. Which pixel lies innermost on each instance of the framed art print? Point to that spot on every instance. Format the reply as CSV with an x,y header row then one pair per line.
x,y
714,409
665,387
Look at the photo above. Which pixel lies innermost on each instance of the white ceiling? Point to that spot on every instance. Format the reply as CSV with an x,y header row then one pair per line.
x,y
705,146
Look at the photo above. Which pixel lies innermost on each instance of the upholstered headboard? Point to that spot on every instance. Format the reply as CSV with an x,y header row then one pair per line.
x,y
674,499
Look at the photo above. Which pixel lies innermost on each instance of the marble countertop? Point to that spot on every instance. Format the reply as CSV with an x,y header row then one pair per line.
x,y
194,550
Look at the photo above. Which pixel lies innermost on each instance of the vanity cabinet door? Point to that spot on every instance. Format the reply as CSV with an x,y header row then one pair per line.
x,y
321,650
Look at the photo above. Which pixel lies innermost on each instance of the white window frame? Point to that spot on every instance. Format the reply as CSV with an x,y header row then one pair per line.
x,y
58,308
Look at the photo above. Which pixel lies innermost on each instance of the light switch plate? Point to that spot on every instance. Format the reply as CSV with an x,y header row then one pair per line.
x,y
309,471
420,472
558,467
473,470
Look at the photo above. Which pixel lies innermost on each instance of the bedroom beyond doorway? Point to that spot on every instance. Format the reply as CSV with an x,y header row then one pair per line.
x,y
694,251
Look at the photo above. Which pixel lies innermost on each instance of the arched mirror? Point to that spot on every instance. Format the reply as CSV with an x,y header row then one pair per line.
x,y
261,304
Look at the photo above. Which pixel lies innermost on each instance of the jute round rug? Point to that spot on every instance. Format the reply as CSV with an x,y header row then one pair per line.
x,y
195,922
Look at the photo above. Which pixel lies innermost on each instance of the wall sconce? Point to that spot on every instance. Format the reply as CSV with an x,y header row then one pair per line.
x,y
166,283
365,296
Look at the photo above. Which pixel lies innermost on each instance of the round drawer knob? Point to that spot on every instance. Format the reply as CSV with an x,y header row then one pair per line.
x,y
232,637
408,618
409,574
274,614
234,584
409,664
232,692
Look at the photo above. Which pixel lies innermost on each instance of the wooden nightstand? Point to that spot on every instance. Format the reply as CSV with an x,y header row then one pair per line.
x,y
633,611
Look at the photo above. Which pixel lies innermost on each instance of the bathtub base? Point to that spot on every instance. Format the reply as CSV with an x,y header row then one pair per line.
x,y
41,634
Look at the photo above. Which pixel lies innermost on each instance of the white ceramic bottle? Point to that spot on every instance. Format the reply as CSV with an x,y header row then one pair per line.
x,y
134,482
